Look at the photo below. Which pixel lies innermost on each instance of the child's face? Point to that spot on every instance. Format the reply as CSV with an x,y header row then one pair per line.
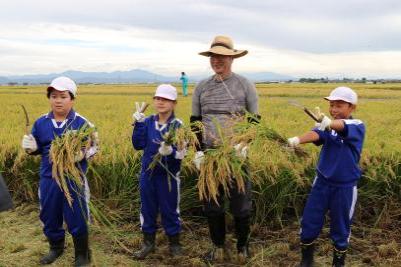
x,y
60,102
163,105
340,109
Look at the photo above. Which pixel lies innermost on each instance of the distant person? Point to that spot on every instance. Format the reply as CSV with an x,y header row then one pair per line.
x,y
219,99
54,209
156,196
335,186
184,80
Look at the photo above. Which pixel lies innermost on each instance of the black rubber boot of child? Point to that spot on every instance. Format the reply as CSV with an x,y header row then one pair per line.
x,y
82,252
148,246
242,231
307,255
56,249
339,257
174,245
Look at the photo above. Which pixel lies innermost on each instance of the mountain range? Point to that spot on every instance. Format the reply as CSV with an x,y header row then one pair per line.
x,y
131,76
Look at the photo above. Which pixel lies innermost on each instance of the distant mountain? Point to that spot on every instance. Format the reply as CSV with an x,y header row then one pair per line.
x,y
132,76
267,76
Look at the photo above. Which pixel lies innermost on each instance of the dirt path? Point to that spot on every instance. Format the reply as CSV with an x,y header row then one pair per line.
x,y
22,243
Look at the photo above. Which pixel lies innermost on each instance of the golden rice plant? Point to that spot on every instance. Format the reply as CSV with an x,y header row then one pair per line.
x,y
223,166
63,152
183,138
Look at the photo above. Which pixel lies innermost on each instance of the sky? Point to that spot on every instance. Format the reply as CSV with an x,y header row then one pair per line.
x,y
301,38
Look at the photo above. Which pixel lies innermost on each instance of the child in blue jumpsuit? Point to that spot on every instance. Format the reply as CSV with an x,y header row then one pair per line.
x,y
335,186
156,195
54,208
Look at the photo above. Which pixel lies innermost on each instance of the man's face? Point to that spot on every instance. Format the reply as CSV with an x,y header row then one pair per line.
x,y
60,102
221,64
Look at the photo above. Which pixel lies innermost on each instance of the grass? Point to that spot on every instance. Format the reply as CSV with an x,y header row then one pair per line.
x,y
286,178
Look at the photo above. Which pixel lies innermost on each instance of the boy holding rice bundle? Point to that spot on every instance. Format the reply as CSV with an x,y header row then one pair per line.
x,y
157,190
54,207
335,185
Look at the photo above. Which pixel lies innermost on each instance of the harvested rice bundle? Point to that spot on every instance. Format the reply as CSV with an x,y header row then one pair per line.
x,y
223,165
183,138
64,151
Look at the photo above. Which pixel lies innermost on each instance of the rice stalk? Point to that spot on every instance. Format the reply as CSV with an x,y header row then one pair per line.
x,y
183,138
63,151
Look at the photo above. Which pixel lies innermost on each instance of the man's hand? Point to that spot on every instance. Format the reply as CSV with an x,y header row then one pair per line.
x,y
293,141
138,116
29,143
164,149
241,150
198,159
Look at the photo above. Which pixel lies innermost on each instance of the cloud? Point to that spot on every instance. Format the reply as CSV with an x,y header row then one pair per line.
x,y
292,37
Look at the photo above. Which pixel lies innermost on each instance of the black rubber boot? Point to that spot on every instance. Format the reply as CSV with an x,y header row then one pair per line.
x,y
148,246
217,230
82,252
56,249
307,255
215,254
339,257
242,231
174,245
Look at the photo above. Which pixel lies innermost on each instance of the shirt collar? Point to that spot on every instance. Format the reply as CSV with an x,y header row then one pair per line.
x,y
70,116
171,118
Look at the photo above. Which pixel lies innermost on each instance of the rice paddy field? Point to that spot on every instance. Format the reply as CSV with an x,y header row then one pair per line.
x,y
278,201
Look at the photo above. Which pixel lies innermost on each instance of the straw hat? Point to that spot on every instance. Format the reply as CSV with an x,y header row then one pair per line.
x,y
223,45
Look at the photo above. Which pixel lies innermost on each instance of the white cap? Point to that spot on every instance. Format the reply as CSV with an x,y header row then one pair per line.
x,y
64,84
166,91
343,93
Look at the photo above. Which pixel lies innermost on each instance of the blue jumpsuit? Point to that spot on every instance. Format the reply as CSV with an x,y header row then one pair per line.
x,y
154,188
54,208
335,186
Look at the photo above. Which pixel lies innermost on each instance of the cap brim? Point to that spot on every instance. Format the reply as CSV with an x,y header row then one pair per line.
x,y
218,50
165,96
328,98
56,88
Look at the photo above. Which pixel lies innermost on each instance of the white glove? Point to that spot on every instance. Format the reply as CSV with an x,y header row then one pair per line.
x,y
138,116
293,141
324,124
241,150
198,159
79,156
181,151
29,143
164,149
180,154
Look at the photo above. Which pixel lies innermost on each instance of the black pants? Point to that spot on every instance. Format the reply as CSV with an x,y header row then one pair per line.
x,y
240,202
241,208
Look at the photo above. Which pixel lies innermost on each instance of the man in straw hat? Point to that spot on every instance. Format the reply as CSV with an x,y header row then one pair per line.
x,y
221,98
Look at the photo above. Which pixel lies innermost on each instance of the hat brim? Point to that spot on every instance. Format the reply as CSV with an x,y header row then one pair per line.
x,y
328,98
60,90
165,96
219,50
